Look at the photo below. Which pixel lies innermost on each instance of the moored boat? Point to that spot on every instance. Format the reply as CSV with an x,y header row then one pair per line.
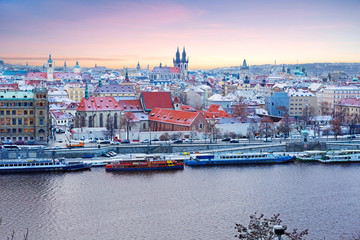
x,y
343,156
236,158
311,156
148,162
41,165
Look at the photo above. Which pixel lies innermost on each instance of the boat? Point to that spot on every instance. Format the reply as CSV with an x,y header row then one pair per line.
x,y
311,156
147,162
343,156
236,158
41,165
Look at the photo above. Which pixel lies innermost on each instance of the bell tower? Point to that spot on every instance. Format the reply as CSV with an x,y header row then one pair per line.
x,y
50,69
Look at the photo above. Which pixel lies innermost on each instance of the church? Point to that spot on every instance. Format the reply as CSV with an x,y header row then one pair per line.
x,y
166,75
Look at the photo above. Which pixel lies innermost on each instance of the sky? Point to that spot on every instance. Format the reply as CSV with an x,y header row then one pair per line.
x,y
117,33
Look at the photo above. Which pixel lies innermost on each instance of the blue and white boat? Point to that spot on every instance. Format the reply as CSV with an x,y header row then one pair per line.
x,y
236,158
41,165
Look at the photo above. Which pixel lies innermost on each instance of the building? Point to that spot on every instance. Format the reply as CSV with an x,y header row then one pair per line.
x,y
277,104
161,119
61,120
50,69
332,95
348,109
182,64
302,103
77,68
118,91
24,115
164,75
76,91
98,112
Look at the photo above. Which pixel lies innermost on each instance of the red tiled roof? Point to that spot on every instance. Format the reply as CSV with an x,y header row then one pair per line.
x,y
173,116
187,108
33,75
152,100
99,104
214,108
131,105
59,115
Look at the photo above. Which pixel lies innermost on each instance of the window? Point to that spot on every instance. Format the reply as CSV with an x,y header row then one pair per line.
x,y
14,121
13,112
20,121
19,130
31,121
25,130
31,112
14,130
19,112
41,112
7,121
25,112
41,121
31,104
2,112
31,130
7,112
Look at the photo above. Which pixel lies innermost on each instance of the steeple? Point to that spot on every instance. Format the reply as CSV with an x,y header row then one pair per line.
x,y
65,64
283,69
126,75
87,90
49,61
183,59
100,84
245,66
138,66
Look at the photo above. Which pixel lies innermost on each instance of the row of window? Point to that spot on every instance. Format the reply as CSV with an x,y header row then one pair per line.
x,y
40,95
21,104
19,121
14,139
17,130
19,112
300,100
296,113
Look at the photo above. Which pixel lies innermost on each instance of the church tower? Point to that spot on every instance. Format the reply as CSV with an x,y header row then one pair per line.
x,y
244,70
138,67
77,68
182,64
50,69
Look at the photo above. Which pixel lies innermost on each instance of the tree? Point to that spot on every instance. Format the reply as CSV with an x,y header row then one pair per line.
x,y
261,228
110,127
284,126
240,108
336,127
307,113
299,125
282,110
164,137
325,108
266,127
252,130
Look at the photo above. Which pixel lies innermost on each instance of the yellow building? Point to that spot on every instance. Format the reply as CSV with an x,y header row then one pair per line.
x,y
301,103
76,91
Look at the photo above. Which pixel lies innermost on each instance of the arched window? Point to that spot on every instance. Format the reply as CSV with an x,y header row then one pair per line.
x,y
91,121
101,120
115,121
82,121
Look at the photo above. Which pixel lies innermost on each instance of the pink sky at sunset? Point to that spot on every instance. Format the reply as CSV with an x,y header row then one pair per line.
x,y
121,33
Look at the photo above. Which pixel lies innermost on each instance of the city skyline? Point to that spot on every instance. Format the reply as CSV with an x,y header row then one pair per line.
x,y
121,33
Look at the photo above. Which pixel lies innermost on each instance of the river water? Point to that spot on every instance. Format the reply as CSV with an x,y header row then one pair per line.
x,y
194,203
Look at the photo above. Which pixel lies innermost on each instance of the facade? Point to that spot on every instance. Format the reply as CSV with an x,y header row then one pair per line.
x,y
61,120
24,115
172,120
119,91
349,108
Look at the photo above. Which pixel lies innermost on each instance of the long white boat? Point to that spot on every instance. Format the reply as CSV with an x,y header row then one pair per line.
x,y
40,165
343,156
237,158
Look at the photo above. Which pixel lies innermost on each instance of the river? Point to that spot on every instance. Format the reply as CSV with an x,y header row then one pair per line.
x,y
194,203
